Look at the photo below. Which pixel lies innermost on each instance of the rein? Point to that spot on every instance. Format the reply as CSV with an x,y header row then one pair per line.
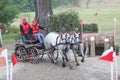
x,y
55,46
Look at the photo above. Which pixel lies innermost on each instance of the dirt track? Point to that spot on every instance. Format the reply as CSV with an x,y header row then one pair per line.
x,y
91,69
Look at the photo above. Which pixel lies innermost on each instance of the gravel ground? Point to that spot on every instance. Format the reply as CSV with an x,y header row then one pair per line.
x,y
91,69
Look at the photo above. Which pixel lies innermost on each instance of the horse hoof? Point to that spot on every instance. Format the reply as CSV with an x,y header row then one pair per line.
x,y
63,65
77,64
82,60
55,62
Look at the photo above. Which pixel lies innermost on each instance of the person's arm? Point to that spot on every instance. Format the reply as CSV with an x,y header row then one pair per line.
x,y
41,27
30,30
21,29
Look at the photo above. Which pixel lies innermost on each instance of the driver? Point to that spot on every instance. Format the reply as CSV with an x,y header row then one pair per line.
x,y
24,30
35,30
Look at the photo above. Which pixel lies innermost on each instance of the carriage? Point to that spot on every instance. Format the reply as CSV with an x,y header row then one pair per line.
x,y
53,41
32,51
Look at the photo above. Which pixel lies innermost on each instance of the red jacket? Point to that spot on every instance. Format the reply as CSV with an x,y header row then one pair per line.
x,y
35,28
24,28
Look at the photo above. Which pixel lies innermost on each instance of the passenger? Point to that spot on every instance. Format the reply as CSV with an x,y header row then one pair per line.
x,y
24,30
35,29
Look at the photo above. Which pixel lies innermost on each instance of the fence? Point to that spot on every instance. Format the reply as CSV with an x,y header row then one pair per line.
x,y
94,47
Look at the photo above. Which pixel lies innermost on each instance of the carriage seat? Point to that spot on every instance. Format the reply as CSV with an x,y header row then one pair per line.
x,y
30,39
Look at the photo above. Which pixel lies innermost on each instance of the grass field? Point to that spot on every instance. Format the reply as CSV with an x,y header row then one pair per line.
x,y
104,19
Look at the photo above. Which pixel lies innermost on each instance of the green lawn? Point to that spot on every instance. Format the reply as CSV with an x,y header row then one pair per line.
x,y
104,19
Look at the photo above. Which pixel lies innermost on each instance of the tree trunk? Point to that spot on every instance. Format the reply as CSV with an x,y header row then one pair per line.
x,y
43,11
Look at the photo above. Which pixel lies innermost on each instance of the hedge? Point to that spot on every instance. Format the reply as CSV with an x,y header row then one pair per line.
x,y
69,20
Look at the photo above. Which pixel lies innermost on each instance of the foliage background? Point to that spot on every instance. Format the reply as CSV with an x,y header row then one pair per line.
x,y
7,11
70,20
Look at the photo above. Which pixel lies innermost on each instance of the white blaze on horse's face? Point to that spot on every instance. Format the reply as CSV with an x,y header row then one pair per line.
x,y
75,37
65,37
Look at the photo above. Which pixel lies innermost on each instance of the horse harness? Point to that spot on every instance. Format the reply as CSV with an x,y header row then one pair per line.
x,y
76,37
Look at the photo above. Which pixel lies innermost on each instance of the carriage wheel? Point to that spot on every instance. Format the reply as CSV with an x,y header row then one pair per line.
x,y
55,55
21,53
33,55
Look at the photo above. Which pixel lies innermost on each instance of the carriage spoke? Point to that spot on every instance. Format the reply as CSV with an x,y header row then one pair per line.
x,y
21,53
33,55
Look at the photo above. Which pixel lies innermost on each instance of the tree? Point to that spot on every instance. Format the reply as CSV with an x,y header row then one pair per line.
x,y
7,11
43,11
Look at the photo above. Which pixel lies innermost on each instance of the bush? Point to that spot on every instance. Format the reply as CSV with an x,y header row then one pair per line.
x,y
10,36
7,30
69,20
90,27
9,33
7,11
15,30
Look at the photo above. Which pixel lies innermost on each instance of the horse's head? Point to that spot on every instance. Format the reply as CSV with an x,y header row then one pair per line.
x,y
75,38
64,37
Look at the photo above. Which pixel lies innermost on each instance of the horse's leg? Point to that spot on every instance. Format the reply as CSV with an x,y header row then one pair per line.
x,y
63,64
81,51
63,58
77,64
52,55
69,59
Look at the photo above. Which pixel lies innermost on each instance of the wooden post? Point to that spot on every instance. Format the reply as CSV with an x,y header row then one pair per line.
x,y
87,46
92,46
111,40
106,44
